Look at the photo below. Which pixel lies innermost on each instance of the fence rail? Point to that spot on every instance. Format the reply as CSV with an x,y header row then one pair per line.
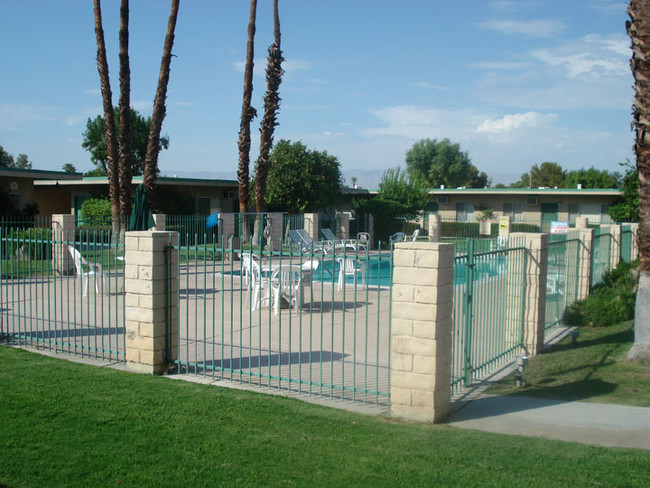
x,y
333,341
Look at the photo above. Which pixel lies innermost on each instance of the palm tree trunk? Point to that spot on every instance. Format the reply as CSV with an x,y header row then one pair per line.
x,y
159,110
638,28
109,118
125,162
271,107
247,114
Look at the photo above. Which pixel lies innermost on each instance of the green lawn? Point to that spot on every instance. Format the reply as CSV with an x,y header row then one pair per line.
x,y
66,424
596,369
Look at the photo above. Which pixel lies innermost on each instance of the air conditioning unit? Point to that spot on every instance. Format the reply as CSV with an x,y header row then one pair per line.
x,y
442,200
531,201
231,195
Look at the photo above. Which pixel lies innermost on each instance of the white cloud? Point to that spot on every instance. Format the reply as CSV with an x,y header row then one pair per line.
x,y
530,28
13,114
503,65
430,86
511,122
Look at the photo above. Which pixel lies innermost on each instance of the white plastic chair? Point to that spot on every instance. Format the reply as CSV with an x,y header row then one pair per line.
x,y
348,267
94,270
286,281
416,234
258,288
363,241
246,259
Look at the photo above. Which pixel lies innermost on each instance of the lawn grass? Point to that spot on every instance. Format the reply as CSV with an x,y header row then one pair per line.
x,y
67,424
596,369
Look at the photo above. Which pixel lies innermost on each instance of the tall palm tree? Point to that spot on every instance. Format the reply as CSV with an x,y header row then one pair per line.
x,y
124,165
271,107
638,28
159,110
247,114
109,117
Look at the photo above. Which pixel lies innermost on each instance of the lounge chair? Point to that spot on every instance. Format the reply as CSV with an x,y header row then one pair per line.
x,y
339,245
305,243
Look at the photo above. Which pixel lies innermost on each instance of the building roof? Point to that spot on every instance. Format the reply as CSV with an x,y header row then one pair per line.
x,y
161,180
502,191
38,174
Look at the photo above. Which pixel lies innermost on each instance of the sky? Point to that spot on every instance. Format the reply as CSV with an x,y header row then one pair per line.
x,y
515,83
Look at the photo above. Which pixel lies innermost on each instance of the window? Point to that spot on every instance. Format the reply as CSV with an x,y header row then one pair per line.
x,y
465,212
203,206
513,210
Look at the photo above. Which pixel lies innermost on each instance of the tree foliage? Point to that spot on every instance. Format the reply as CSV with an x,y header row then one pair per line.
x,y
302,180
547,174
443,163
94,141
592,178
411,196
626,208
8,161
96,209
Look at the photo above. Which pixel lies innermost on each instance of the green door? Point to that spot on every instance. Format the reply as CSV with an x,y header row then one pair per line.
x,y
549,211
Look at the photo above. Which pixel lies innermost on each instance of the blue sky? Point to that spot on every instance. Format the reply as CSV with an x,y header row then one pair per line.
x,y
515,83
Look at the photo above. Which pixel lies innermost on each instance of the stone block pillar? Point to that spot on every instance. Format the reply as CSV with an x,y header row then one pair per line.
x,y
585,257
277,221
343,221
582,223
435,232
614,231
504,228
421,336
227,229
634,254
62,235
535,290
311,225
160,222
151,300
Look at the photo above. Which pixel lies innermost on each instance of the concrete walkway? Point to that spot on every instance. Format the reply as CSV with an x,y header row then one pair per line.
x,y
587,423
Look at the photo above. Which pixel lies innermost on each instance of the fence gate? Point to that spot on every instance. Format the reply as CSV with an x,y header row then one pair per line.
x,y
488,309
315,324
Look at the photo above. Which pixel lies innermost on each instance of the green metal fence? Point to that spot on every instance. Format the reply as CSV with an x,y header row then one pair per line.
x,y
627,238
192,228
330,336
62,293
488,311
561,280
601,255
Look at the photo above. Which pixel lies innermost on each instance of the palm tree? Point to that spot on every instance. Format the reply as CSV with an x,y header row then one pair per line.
x,y
124,165
107,97
271,107
153,146
247,114
638,28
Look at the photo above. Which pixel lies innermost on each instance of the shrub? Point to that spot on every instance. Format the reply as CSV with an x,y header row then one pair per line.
x,y
95,210
611,302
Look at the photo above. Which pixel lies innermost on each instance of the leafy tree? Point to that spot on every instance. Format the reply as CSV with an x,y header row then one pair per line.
x,y
626,208
592,178
411,195
69,168
443,163
94,141
302,180
638,29
546,174
8,161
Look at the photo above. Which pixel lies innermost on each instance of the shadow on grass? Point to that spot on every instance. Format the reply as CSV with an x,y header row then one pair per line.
x,y
571,391
620,337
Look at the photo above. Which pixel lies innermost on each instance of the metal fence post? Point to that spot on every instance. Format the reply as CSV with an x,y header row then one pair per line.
x,y
151,271
421,331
